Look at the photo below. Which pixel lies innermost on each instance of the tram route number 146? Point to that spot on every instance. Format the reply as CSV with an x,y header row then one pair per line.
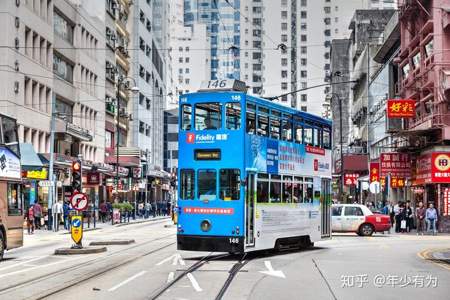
x,y
234,240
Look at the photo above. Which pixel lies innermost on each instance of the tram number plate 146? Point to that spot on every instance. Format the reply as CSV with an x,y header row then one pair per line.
x,y
234,240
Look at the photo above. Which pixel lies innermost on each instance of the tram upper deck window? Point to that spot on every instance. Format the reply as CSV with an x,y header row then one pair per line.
x,y
230,186
317,139
208,116
326,138
275,189
186,117
233,115
263,121
275,125
286,128
262,189
298,131
187,184
206,184
308,135
251,118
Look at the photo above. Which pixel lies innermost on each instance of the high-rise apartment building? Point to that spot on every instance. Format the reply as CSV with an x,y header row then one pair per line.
x,y
222,20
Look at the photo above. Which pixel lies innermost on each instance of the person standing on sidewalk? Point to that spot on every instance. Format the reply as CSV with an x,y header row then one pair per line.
x,y
420,217
431,218
37,210
397,211
66,209
30,220
409,217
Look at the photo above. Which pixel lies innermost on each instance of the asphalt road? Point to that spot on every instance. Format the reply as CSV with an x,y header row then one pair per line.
x,y
345,267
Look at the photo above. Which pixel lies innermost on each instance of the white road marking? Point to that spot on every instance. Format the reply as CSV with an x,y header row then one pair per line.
x,y
23,263
170,277
166,260
37,267
194,282
270,271
126,281
177,259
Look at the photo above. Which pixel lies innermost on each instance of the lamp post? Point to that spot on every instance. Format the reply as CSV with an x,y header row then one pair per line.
x,y
341,186
121,80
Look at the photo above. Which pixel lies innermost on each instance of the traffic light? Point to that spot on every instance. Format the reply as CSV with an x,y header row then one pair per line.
x,y
76,176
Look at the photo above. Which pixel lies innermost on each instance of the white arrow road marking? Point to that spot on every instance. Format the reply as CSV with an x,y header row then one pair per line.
x,y
177,259
270,271
194,282
126,281
170,277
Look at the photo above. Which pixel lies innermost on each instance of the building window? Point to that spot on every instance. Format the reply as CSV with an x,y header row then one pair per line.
x,y
327,9
303,74
284,85
284,38
62,68
284,62
284,26
303,26
303,97
284,14
62,27
304,108
303,14
284,74
303,3
64,110
303,49
303,37
303,61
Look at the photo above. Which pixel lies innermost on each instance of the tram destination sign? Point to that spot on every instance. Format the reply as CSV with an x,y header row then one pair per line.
x,y
207,154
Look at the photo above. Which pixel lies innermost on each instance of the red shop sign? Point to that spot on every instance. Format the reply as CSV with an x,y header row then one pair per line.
x,y
395,164
374,171
433,168
351,179
401,108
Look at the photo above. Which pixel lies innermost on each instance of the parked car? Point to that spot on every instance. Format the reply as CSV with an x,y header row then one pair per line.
x,y
357,218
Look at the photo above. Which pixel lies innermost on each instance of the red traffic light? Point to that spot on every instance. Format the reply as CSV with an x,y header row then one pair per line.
x,y
76,166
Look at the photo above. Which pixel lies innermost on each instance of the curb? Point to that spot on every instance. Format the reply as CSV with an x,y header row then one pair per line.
x,y
142,221
85,250
437,256
112,242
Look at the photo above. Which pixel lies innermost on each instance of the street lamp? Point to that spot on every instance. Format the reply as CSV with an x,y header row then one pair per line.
x,y
121,81
330,96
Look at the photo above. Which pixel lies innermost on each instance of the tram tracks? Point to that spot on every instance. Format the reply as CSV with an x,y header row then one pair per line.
x,y
96,273
234,270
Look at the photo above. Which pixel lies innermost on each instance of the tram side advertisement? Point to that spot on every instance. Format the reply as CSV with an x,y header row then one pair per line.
x,y
279,157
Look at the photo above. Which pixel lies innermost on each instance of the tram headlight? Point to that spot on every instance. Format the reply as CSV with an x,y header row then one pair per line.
x,y
205,225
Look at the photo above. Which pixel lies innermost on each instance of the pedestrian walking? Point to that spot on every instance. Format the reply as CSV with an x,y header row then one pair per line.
x,y
66,209
403,218
58,212
397,217
148,208
103,211
431,218
409,217
30,220
420,217
37,210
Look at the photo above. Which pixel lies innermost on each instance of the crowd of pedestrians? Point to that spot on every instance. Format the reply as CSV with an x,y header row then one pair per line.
x,y
404,218
61,211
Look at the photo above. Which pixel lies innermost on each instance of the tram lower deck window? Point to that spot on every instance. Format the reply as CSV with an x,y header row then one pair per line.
x,y
187,182
230,184
206,184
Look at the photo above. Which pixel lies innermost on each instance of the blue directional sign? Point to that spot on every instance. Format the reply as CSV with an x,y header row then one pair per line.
x,y
76,223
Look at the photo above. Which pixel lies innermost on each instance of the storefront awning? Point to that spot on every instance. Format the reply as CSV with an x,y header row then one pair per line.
x,y
29,159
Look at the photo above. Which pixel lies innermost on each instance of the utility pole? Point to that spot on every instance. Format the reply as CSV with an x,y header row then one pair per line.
x,y
51,163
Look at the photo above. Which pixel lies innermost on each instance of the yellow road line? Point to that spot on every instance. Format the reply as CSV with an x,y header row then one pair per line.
x,y
426,255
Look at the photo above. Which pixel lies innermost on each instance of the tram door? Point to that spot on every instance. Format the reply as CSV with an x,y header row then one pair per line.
x,y
325,202
250,210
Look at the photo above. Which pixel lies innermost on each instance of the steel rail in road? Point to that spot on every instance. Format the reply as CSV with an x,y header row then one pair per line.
x,y
86,263
207,258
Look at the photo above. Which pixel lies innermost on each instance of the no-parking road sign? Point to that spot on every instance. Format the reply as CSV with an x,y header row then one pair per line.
x,y
79,201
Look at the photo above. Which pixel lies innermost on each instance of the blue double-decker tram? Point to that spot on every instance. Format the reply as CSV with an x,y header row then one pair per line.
x,y
252,174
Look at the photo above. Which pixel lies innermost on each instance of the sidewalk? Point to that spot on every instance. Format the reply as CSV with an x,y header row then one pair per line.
x,y
99,226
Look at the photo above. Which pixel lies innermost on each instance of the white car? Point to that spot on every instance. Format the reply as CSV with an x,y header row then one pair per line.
x,y
357,218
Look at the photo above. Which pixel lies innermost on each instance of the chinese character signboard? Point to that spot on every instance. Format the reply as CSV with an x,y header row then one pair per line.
x,y
351,179
401,108
374,171
395,164
397,182
433,168
446,194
